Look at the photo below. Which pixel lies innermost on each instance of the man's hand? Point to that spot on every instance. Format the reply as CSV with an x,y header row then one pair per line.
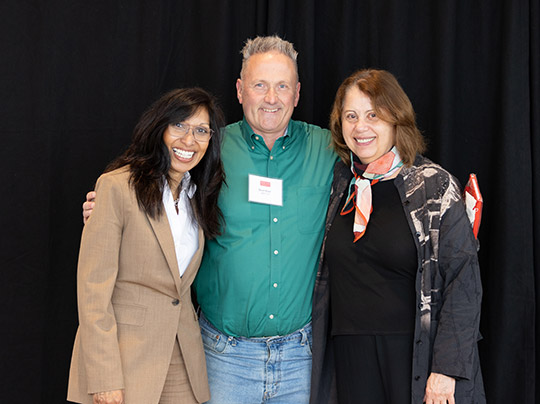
x,y
440,389
109,397
88,206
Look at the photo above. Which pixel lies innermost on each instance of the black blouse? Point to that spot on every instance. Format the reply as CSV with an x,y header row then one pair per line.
x,y
372,281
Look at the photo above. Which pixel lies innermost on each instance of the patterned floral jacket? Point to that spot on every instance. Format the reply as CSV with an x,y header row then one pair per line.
x,y
448,286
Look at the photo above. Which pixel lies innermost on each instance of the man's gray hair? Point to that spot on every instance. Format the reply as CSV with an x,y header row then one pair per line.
x,y
263,44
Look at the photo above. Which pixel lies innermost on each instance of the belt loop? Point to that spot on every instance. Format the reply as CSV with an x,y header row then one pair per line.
x,y
304,337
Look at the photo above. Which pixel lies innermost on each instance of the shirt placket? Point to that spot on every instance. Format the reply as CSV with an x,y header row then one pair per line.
x,y
273,311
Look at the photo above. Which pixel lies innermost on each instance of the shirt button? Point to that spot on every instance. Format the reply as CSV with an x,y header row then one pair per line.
x,y
275,285
271,316
276,252
275,220
271,157
175,302
252,147
283,147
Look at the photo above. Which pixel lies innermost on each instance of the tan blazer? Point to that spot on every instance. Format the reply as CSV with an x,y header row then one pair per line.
x,y
133,304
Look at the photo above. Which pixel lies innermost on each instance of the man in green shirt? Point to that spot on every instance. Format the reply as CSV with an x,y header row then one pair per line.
x,y
255,284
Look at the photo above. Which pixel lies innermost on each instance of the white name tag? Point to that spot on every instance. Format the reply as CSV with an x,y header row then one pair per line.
x,y
265,190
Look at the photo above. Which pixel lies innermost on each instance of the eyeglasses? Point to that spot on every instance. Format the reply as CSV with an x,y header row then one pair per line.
x,y
200,133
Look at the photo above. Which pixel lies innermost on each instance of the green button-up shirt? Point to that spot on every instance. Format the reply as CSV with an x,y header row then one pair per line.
x,y
257,278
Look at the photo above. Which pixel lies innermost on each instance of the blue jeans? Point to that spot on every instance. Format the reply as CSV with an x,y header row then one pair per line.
x,y
273,370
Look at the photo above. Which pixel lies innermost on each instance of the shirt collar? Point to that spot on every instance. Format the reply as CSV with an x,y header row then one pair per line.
x,y
249,134
187,186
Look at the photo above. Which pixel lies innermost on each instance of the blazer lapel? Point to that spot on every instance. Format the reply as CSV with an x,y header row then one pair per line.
x,y
164,236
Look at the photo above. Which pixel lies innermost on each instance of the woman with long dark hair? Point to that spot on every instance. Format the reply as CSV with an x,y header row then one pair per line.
x,y
138,339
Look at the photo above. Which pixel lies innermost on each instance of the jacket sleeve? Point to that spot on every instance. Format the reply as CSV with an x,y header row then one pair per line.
x,y
454,347
96,277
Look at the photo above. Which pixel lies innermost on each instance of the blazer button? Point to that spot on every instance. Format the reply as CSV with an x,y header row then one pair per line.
x,y
175,302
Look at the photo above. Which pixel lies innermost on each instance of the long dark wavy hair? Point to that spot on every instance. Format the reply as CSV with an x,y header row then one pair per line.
x,y
149,160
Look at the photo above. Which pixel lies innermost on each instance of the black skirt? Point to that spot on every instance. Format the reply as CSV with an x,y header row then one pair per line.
x,y
373,369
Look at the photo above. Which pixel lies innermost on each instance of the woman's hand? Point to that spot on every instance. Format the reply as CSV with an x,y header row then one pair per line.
x,y
88,205
109,397
440,389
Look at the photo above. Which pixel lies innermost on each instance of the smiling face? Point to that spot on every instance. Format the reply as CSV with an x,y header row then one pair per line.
x,y
268,91
365,133
185,152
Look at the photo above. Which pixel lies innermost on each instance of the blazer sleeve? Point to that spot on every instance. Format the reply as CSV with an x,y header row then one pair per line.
x,y
454,349
96,277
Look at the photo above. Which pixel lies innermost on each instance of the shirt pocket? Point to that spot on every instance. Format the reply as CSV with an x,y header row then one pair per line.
x,y
130,314
312,207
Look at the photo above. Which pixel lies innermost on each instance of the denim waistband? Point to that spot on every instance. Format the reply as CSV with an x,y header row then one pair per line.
x,y
300,334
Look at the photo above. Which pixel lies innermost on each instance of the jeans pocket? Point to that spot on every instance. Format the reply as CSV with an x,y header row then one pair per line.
x,y
307,342
214,341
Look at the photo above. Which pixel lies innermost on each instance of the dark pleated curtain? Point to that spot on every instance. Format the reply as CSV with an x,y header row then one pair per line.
x,y
75,76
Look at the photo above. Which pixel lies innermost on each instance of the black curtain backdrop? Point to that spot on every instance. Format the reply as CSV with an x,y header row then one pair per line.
x,y
75,76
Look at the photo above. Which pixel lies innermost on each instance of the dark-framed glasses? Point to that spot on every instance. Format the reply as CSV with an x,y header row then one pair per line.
x,y
201,133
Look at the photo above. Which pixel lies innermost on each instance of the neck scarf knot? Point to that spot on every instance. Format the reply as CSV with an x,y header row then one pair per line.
x,y
366,175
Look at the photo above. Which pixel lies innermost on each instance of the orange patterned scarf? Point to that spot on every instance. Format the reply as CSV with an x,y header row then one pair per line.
x,y
366,175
